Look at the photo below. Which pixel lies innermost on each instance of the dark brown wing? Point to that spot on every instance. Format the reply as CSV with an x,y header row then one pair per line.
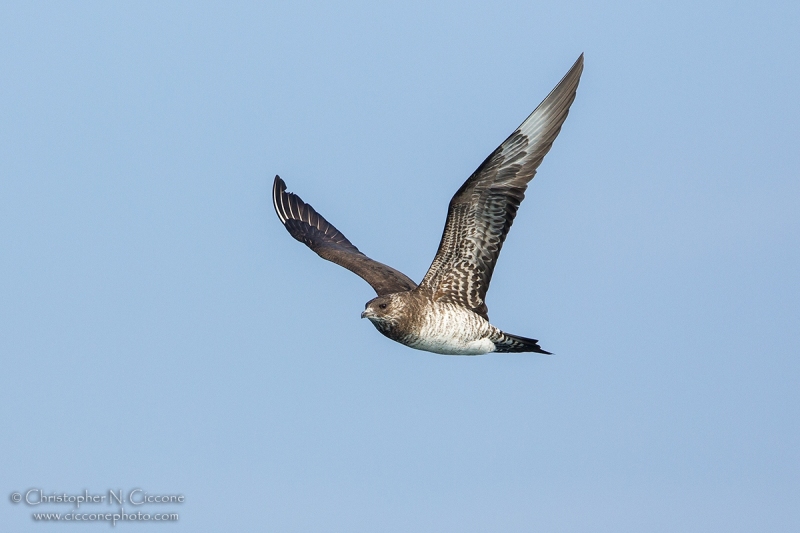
x,y
310,228
483,209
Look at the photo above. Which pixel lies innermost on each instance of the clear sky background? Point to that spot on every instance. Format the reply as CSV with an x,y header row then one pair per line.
x,y
159,328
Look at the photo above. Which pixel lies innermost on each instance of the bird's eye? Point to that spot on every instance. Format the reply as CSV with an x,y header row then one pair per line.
x,y
382,306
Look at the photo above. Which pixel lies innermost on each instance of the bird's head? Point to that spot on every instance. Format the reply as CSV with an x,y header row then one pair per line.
x,y
383,311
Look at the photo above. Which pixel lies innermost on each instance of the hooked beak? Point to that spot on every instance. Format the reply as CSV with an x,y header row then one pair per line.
x,y
367,313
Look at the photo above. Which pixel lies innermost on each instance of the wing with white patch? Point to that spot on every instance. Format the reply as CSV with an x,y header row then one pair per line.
x,y
483,209
310,228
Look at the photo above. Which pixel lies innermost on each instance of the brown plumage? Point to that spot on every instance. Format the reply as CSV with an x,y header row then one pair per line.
x,y
447,312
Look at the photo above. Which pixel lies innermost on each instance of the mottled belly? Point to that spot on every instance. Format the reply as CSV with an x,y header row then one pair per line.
x,y
452,330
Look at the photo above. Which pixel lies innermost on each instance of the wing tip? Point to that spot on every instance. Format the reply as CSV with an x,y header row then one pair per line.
x,y
278,193
570,80
555,106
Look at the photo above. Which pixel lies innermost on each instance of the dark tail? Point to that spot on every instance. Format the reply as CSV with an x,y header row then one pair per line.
x,y
509,343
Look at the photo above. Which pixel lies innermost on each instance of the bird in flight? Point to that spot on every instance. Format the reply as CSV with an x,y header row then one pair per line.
x,y
446,313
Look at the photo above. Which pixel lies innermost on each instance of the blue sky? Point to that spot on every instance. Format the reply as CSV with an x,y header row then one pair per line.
x,y
159,328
